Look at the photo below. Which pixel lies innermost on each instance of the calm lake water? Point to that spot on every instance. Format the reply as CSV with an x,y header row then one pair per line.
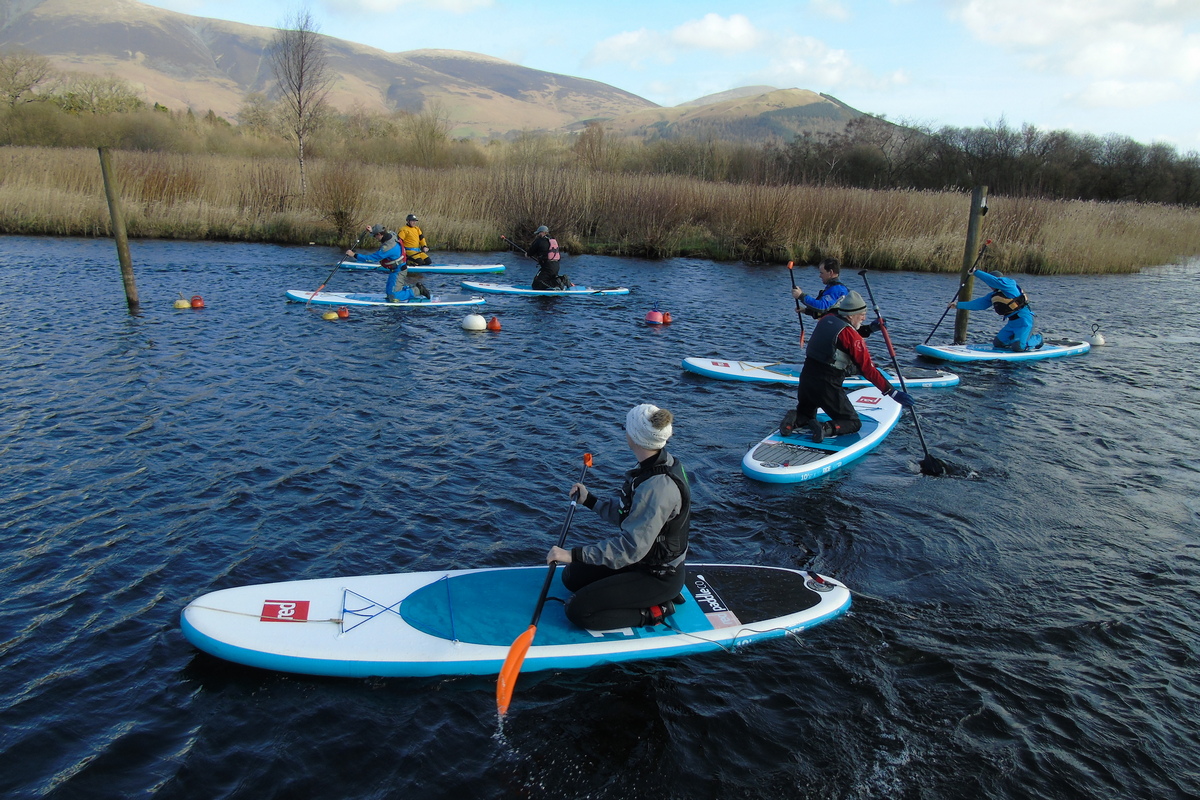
x,y
1025,627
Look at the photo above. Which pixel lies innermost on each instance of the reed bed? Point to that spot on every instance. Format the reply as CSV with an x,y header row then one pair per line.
x,y
59,192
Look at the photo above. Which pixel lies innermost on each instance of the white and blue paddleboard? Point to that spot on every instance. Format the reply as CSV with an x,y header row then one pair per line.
x,y
574,291
796,458
985,352
463,622
440,269
372,299
776,372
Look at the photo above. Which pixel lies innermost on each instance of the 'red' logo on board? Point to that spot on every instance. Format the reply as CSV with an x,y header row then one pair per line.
x,y
720,363
870,399
284,611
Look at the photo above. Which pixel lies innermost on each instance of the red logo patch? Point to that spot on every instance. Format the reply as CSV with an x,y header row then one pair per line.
x,y
284,611
870,399
720,363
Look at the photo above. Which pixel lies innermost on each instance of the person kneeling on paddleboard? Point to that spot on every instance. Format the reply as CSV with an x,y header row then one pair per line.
x,y
635,577
1011,303
835,351
390,256
544,250
412,238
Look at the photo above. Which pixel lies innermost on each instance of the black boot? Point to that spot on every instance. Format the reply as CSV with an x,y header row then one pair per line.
x,y
788,424
657,615
817,429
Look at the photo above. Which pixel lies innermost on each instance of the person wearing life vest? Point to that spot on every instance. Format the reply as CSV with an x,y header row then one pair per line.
x,y
390,256
635,577
835,351
1007,300
544,250
833,290
412,239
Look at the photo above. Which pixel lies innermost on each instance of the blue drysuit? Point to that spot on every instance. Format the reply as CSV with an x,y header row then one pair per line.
x,y
1017,334
389,251
826,299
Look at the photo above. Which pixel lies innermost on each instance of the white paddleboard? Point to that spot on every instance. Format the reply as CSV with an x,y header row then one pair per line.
x,y
796,458
463,622
778,372
574,291
985,352
372,299
440,269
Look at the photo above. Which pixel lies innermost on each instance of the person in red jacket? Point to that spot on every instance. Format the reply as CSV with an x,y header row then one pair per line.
x,y
835,351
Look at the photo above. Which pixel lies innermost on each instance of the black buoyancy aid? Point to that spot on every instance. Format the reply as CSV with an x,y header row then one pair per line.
x,y
1004,305
552,254
822,345
672,541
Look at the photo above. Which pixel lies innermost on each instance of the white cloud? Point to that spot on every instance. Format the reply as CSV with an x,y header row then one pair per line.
x,y
810,63
1127,94
714,32
631,48
830,9
389,6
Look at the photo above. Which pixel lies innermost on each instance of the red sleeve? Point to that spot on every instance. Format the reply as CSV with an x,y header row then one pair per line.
x,y
852,343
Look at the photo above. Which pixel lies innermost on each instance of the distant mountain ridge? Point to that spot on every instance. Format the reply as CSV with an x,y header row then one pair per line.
x,y
185,61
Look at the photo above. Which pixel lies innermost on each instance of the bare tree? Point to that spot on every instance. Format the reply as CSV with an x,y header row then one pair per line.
x,y
20,73
301,67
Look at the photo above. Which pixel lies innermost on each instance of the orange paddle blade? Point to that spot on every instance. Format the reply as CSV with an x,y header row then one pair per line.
x,y
507,682
789,265
587,459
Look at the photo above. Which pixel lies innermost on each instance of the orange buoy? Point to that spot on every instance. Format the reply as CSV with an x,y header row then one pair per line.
x,y
197,301
493,324
666,318
343,312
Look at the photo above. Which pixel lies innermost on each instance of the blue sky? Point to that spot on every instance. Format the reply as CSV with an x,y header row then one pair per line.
x,y
1130,67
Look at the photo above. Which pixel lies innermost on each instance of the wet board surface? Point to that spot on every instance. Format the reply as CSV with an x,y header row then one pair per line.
x,y
778,372
464,621
985,352
377,299
796,458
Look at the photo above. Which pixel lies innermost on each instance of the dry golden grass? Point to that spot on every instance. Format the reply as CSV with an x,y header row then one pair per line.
x,y
59,192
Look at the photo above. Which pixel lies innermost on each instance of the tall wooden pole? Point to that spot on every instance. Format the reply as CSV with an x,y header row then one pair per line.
x,y
112,192
978,209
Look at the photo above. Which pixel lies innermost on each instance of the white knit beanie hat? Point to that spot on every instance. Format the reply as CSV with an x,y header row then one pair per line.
x,y
642,431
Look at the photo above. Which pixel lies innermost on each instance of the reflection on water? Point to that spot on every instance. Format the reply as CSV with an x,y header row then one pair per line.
x,y
1022,627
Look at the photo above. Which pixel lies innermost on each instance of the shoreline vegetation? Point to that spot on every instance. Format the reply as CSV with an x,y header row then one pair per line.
x,y
59,192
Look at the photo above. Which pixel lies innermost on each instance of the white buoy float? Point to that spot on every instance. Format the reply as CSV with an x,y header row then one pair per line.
x,y
474,322
1096,340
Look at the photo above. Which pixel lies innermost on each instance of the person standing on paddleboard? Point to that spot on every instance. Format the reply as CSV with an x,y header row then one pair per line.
x,y
390,256
834,290
1010,302
635,577
544,250
836,350
412,239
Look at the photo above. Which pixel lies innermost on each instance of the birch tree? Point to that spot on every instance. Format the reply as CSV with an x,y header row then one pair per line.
x,y
301,67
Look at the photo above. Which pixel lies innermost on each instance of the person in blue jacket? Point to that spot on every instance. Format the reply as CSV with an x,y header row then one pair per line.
x,y
1007,300
832,291
390,256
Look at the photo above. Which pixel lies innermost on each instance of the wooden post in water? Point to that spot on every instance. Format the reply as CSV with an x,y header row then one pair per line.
x,y
978,209
118,223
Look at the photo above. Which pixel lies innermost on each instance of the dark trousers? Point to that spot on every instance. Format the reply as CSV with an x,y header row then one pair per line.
x,y
821,387
606,598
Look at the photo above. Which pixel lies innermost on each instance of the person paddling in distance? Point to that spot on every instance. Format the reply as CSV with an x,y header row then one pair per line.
x,y
412,239
634,578
390,256
833,290
835,351
544,250
1007,300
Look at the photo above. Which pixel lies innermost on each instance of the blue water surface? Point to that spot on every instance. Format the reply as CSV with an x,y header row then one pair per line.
x,y
1023,627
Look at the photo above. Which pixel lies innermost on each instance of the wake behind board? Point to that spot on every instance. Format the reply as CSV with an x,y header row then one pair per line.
x,y
439,269
1050,348
369,299
776,372
796,458
574,291
463,622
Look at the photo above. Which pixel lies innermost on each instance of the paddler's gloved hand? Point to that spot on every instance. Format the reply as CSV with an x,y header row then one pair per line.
x,y
901,397
876,326
579,494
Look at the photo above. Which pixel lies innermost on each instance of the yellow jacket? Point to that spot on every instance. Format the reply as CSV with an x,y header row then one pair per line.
x,y
411,238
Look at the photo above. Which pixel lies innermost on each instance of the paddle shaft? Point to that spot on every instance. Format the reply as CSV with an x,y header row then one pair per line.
x,y
799,312
513,244
895,363
562,539
979,258
336,267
